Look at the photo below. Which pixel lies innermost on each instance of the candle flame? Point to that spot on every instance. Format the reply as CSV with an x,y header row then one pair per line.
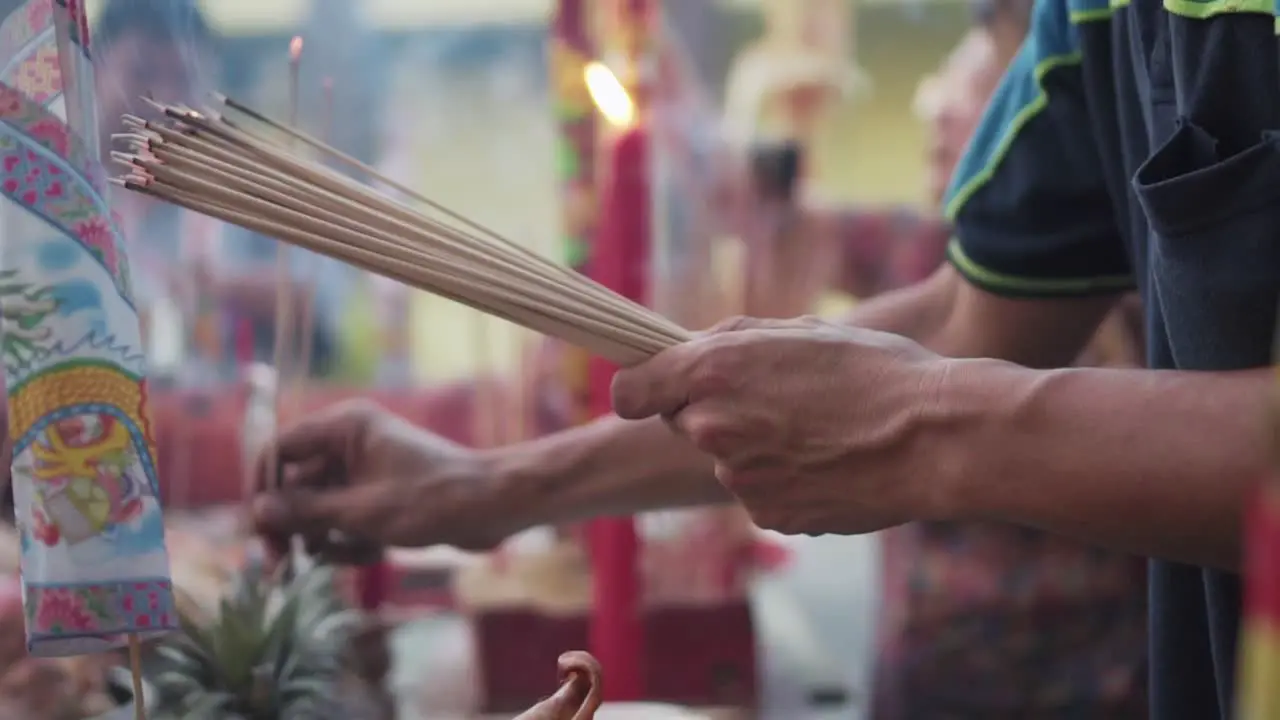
x,y
610,97
295,48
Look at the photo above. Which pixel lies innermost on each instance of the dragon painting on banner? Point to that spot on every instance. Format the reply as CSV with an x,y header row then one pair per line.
x,y
85,486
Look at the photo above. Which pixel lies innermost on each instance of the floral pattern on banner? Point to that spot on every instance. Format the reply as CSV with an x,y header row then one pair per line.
x,y
38,76
52,187
24,29
100,609
37,123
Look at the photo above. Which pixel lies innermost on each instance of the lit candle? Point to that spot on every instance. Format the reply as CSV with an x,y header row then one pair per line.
x,y
619,260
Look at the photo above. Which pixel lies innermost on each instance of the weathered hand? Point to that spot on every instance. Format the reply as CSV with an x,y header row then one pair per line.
x,y
816,428
356,477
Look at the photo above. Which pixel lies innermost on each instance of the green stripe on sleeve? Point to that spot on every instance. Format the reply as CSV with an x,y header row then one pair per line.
x,y
1203,9
1006,284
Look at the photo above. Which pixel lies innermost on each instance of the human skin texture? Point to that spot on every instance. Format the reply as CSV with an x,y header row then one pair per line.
x,y
578,697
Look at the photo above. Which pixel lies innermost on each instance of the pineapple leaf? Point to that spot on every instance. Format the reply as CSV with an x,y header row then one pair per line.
x,y
196,636
174,681
302,688
173,656
278,642
337,627
232,656
215,706
271,653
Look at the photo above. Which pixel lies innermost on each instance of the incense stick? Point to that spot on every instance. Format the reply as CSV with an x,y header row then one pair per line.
x,y
307,313
295,391
619,344
354,163
326,220
135,669
284,315
224,147
287,362
219,168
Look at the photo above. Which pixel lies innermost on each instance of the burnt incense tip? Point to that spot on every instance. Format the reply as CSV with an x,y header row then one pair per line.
x,y
127,183
124,158
236,105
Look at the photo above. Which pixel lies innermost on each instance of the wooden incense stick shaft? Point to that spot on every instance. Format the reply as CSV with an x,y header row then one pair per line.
x,y
324,221
610,342
232,133
135,670
217,168
287,362
228,161
352,162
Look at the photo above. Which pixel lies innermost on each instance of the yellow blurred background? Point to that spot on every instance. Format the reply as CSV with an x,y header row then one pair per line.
x,y
876,140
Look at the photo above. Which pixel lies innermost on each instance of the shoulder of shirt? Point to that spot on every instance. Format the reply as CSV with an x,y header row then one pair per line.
x,y
1053,26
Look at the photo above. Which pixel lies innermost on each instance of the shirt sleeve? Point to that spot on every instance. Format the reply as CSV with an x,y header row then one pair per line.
x,y
1029,201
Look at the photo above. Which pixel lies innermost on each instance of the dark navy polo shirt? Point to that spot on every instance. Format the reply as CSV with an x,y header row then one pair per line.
x,y
1135,144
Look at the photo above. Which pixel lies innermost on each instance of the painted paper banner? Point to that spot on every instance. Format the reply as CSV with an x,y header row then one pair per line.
x,y
94,565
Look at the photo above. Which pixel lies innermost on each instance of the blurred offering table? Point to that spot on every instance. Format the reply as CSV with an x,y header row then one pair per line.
x,y
526,608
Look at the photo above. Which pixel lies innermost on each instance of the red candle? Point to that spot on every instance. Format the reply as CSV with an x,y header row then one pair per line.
x,y
619,260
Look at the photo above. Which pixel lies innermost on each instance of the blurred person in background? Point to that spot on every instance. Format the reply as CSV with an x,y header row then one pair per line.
x,y
978,621
223,279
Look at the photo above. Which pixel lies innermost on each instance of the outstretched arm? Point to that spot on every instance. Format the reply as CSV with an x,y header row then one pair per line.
x,y
1157,463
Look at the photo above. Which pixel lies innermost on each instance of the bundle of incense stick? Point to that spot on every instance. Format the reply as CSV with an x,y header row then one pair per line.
x,y
232,171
